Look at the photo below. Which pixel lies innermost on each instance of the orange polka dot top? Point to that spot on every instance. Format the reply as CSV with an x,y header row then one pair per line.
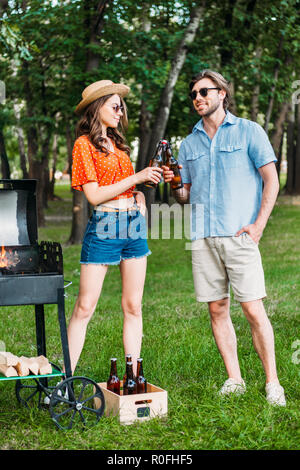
x,y
89,164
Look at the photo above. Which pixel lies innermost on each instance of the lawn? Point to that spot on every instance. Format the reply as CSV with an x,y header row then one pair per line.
x,y
178,350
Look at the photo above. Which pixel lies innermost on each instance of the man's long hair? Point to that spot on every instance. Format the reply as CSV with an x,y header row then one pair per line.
x,y
90,125
218,80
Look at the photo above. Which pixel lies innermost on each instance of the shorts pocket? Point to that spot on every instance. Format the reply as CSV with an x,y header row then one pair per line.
x,y
249,239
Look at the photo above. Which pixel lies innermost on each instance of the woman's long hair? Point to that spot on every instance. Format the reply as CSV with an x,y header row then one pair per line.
x,y
90,125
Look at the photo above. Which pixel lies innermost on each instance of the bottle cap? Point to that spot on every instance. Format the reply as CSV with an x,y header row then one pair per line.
x,y
113,359
139,359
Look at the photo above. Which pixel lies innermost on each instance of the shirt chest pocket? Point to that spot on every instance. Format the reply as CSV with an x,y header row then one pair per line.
x,y
198,163
230,156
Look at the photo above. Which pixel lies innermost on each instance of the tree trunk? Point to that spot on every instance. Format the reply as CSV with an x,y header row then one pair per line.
x,y
290,154
271,101
21,144
256,90
79,217
166,193
5,168
95,27
69,140
162,115
233,107
144,136
80,204
23,159
279,157
145,115
53,171
37,171
278,128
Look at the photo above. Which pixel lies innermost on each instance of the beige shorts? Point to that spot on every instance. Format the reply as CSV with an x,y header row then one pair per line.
x,y
219,262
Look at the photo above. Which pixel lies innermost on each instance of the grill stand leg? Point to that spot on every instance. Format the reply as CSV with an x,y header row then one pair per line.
x,y
40,330
40,335
63,332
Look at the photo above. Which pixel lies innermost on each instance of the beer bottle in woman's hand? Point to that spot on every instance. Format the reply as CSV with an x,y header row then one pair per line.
x,y
157,160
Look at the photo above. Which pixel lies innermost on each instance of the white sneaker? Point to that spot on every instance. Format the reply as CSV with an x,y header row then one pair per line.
x,y
275,394
233,386
47,398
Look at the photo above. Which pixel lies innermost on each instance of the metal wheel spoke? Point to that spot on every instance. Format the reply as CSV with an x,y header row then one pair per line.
x,y
90,409
31,396
83,385
63,413
28,386
72,419
82,417
90,398
63,400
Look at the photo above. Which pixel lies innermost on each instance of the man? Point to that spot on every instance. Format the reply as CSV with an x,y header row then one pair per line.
x,y
228,170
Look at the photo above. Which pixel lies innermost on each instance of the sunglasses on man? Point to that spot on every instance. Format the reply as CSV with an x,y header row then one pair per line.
x,y
203,92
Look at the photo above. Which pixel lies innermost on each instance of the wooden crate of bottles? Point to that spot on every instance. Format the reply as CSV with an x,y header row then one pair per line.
x,y
137,407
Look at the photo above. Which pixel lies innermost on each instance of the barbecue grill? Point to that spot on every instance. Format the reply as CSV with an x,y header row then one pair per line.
x,y
31,273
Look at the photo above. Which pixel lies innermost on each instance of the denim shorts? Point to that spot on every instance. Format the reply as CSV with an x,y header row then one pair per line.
x,y
111,237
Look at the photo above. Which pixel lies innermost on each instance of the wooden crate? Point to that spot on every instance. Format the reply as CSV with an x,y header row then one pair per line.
x,y
138,407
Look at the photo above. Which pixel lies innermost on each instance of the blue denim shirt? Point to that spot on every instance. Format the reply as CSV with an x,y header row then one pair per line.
x,y
226,186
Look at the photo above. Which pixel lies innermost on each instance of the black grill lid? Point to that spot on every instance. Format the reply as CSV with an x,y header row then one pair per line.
x,y
18,212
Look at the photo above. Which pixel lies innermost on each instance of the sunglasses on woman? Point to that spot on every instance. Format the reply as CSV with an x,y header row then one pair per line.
x,y
203,92
117,108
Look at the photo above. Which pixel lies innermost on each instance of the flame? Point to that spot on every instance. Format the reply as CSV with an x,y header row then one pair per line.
x,y
3,259
8,259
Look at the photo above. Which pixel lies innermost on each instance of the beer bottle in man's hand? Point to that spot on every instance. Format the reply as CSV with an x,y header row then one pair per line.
x,y
113,383
140,379
129,386
172,164
157,160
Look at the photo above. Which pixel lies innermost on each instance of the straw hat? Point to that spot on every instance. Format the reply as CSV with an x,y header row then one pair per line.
x,y
98,89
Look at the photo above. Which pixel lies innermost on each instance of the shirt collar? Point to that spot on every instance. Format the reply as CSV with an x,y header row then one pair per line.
x,y
229,119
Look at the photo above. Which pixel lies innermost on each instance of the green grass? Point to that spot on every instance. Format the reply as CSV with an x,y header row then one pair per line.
x,y
178,349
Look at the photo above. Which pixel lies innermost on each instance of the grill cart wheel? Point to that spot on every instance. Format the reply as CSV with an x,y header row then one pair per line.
x,y
72,402
36,391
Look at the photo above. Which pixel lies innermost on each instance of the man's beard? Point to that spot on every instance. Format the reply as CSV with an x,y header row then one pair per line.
x,y
212,109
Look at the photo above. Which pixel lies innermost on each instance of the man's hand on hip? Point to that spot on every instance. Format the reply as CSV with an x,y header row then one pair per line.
x,y
254,231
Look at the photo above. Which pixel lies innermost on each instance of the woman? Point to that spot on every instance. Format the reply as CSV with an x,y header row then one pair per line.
x,y
103,171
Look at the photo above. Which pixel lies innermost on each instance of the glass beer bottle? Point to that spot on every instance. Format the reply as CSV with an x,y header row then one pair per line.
x,y
140,379
129,386
172,164
157,160
113,383
128,359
